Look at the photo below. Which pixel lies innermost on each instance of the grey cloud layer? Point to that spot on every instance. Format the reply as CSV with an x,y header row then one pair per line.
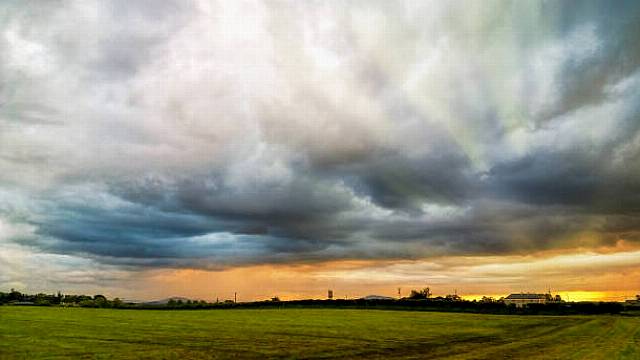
x,y
209,134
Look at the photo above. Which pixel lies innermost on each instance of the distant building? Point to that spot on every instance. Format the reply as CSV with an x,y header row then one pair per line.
x,y
377,297
527,298
454,297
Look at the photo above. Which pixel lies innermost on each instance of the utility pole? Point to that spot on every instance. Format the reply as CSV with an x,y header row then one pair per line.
x,y
235,297
399,293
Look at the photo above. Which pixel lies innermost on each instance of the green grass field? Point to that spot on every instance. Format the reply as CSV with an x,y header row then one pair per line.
x,y
40,332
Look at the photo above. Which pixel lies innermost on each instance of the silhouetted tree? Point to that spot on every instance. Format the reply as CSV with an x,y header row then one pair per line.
x,y
420,294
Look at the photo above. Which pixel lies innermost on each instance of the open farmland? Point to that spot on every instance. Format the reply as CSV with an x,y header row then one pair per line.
x,y
42,332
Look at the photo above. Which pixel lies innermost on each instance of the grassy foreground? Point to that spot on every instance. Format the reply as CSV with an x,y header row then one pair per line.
x,y
41,332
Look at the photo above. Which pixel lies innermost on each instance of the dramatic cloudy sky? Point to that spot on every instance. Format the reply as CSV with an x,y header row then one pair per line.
x,y
196,147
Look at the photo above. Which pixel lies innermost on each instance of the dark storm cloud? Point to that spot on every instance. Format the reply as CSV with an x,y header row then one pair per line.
x,y
194,134
616,56
591,174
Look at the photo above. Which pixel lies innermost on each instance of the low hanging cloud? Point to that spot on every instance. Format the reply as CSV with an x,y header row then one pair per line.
x,y
212,134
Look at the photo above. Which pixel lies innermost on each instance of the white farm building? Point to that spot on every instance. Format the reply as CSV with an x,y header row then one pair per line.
x,y
527,298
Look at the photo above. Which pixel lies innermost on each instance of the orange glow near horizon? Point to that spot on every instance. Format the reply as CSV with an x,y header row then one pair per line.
x,y
571,295
588,276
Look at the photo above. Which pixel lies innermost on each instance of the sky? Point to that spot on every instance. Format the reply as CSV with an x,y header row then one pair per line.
x,y
282,148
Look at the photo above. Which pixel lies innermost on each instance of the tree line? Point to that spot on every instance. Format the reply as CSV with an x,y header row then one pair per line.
x,y
15,297
419,300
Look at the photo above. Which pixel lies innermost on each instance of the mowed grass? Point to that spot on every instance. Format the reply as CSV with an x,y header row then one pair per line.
x,y
40,332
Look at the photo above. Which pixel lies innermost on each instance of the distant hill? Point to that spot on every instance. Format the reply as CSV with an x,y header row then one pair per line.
x,y
377,297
